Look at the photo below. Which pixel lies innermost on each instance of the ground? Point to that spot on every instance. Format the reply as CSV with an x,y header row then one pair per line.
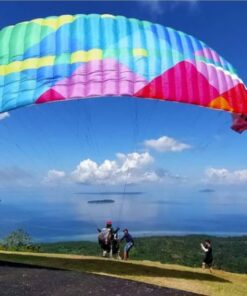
x,y
23,272
23,279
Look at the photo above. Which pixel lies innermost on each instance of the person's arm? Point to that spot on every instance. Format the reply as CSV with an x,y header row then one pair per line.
x,y
117,229
122,238
99,230
203,248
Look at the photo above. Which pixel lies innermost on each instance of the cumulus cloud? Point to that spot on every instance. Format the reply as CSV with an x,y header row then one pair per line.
x,y
166,144
223,175
4,115
129,168
54,176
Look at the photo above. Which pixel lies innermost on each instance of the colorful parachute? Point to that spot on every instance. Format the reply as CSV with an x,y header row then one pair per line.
x,y
81,56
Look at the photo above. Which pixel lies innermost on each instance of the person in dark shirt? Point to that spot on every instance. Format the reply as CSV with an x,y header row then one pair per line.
x,y
129,243
208,259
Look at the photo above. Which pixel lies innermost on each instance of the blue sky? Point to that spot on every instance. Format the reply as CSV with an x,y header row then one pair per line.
x,y
52,150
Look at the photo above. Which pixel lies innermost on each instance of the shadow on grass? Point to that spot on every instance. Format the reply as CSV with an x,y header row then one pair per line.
x,y
123,269
24,265
110,267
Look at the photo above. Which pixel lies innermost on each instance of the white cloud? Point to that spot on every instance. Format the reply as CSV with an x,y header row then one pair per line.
x,y
166,144
193,4
157,7
130,168
4,115
223,175
134,160
54,176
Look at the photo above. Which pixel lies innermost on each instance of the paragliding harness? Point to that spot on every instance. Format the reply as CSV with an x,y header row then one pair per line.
x,y
109,242
104,238
116,246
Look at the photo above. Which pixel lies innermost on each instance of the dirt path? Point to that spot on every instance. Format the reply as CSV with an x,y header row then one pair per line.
x,y
26,280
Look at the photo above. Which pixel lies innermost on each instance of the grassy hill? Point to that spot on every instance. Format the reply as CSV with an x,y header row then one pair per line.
x,y
218,283
230,253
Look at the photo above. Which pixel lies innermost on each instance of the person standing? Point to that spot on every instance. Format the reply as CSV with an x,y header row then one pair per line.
x,y
105,238
129,243
208,259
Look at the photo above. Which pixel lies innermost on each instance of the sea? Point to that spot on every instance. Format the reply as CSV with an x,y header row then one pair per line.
x,y
72,217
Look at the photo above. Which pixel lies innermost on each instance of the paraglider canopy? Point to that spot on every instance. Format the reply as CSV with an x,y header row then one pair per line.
x,y
81,56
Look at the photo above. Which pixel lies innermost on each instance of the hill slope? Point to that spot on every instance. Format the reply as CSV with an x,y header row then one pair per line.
x,y
167,275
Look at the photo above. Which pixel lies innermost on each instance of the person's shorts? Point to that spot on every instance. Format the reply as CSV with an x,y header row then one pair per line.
x,y
128,246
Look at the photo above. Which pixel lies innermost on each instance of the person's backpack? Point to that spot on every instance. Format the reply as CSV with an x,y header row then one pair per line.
x,y
105,235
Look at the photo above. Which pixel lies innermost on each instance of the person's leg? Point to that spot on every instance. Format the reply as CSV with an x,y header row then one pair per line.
x,y
129,246
125,252
116,249
103,246
110,251
203,265
210,267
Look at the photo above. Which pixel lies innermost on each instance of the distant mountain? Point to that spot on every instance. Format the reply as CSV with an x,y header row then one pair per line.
x,y
207,190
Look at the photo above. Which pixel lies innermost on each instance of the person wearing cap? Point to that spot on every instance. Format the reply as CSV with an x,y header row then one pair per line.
x,y
129,243
106,235
109,226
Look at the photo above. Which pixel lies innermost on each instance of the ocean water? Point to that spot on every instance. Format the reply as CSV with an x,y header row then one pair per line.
x,y
73,218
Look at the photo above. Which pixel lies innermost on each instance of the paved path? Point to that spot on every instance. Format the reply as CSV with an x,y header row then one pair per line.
x,y
25,280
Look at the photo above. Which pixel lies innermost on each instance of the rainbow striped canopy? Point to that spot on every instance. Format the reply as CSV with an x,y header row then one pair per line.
x,y
73,57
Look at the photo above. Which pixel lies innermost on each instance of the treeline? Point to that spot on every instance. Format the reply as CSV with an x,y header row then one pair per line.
x,y
230,253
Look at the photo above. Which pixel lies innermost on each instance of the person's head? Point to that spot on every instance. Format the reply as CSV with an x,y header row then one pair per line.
x,y
207,242
125,231
108,224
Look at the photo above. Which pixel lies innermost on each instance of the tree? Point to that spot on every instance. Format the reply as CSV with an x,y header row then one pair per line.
x,y
17,240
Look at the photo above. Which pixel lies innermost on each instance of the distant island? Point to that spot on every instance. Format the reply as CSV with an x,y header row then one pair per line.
x,y
111,193
98,201
207,190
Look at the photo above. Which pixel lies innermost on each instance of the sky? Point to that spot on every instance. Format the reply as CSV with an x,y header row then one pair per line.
x,y
182,159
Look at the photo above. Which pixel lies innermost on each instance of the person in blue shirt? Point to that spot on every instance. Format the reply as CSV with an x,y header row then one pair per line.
x,y
129,243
